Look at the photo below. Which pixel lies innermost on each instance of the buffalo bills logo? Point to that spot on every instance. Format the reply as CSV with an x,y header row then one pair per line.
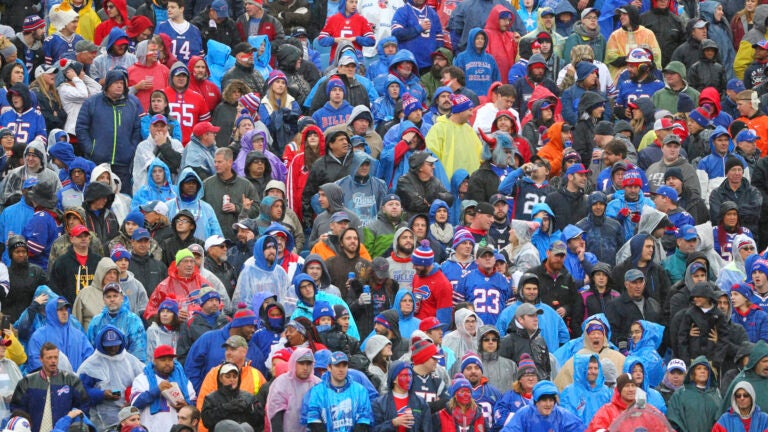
x,y
420,294
62,391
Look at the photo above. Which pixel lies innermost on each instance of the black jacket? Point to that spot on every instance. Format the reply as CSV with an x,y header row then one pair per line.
x,y
364,314
24,279
225,32
569,207
103,223
173,244
750,203
707,73
417,196
52,111
561,292
67,277
327,169
248,75
622,312
148,271
483,183
688,52
227,403
668,29
518,341
190,331
225,272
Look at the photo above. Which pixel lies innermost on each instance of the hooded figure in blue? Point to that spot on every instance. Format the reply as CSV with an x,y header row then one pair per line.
x,y
570,348
60,148
60,331
381,66
545,414
479,67
337,405
636,205
269,329
457,179
645,349
383,108
25,120
442,233
218,59
408,321
541,238
122,318
34,316
363,191
720,32
261,58
261,275
205,217
588,392
390,170
72,195
553,328
304,309
111,367
654,397
411,83
151,191
385,410
714,163
565,28
578,268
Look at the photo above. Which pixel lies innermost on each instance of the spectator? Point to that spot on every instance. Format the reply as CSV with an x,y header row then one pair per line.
x,y
208,318
40,395
700,394
116,312
69,264
58,329
588,393
290,387
229,402
673,379
400,380
545,410
347,25
162,374
263,274
708,71
64,23
747,314
743,407
736,185
419,187
618,48
525,338
603,235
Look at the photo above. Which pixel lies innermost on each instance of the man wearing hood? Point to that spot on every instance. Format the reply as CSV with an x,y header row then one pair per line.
x,y
62,332
35,165
400,264
689,51
360,123
116,12
697,404
90,300
286,389
362,191
332,166
77,175
187,105
674,84
108,126
183,226
43,227
99,217
201,83
604,236
189,196
417,416
387,48
227,188
24,277
24,118
536,75
479,66
420,187
143,73
618,47
721,150
331,199
588,392
465,337
755,373
116,55
743,410
264,274
108,375
378,235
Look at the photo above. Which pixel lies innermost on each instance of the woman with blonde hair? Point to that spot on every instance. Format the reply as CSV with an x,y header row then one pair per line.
x,y
44,88
279,111
742,22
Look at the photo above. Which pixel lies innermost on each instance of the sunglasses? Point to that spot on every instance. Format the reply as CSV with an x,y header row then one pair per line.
x,y
490,340
742,396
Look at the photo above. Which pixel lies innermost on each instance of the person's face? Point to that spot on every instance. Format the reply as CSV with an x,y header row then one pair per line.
x,y
390,49
33,162
743,400
116,89
307,290
120,48
670,151
759,278
628,392
721,144
158,105
530,292
731,218
72,26
700,374
336,95
545,405
479,41
50,361
598,209
687,246
738,299
638,375
444,101
589,82
229,379
19,255
723,304
349,241
701,302
340,146
528,380
761,368
199,70
244,127
632,192
211,306
158,173
500,210
504,24
555,260
405,242
304,369
593,371
636,332
635,288
744,106
473,374
699,33
610,158
750,5
63,315
360,126
180,80
339,371
470,325
113,300
596,339
634,72
674,183
405,69
163,365
132,421
427,169
529,322
464,248
590,21
140,246
82,241
322,199
735,174
490,342
186,267
77,176
579,180
174,11
184,417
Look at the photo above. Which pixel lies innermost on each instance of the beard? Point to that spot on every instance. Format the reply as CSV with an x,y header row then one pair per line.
x,y
435,71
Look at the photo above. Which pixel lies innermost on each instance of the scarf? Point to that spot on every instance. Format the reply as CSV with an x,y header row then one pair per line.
x,y
442,234
669,385
463,419
177,376
580,30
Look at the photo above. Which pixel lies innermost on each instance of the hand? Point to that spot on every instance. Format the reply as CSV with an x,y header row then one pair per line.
x,y
517,36
597,154
426,24
635,217
247,202
582,4
627,113
694,332
560,311
364,299
70,74
160,137
180,405
164,385
404,420
183,315
144,85
108,395
229,208
623,213
713,336
580,253
41,299
74,413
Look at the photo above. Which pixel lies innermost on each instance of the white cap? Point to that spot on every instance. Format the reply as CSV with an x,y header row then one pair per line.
x,y
214,240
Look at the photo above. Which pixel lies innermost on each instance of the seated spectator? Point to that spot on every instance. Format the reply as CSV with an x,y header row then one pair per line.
x,y
58,330
546,409
588,393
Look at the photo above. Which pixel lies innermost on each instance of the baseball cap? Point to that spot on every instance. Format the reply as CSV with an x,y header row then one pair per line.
x,y
577,169
204,127
140,233
670,139
158,207
484,208
299,31
633,275
45,69
339,357
527,309
340,216
215,240
482,250
687,232
496,198
158,118
667,191
127,412
227,368
381,267
242,47
589,10
390,197
85,46
196,249
663,124
430,323
78,230
621,10
677,364
164,351
112,286
747,135
700,23
347,60
558,247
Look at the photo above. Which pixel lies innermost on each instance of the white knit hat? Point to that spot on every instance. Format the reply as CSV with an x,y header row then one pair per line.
x,y
61,15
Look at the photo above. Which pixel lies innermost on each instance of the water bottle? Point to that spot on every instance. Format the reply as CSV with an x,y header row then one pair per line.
x,y
350,275
366,289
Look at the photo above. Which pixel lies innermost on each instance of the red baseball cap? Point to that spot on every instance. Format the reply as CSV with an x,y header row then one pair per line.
x,y
164,351
430,323
77,230
204,127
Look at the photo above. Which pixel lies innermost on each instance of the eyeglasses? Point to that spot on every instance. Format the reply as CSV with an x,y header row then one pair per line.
x,y
182,222
490,340
742,396
590,17
749,248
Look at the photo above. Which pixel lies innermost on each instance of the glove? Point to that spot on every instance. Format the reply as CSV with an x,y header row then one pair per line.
x,y
364,299
635,217
623,213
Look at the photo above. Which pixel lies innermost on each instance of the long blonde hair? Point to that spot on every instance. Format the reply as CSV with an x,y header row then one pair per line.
x,y
273,101
49,93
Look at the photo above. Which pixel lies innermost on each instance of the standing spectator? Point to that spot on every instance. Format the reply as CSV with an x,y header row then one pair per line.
x,y
444,137
474,14
708,71
227,188
255,21
545,412
479,66
753,118
666,25
418,30
68,274
23,276
108,127
208,318
485,288
143,73
604,236
553,279
64,22
524,338
59,329
675,84
186,38
700,395
44,89
419,188
116,55
623,311
163,373
385,407
188,106
588,393
747,314
736,188
50,393
24,118
117,16
631,35
347,25
29,42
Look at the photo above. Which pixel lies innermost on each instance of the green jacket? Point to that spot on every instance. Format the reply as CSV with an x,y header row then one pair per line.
x,y
429,82
760,384
378,235
692,409
666,98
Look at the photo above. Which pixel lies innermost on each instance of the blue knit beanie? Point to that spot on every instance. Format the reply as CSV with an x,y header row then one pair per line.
x,y
322,309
